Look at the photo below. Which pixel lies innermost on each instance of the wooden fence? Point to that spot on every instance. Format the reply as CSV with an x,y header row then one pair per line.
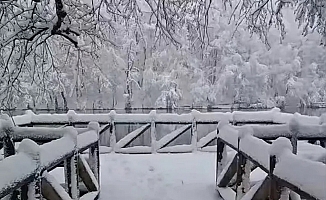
x,y
188,123
252,150
25,175
286,173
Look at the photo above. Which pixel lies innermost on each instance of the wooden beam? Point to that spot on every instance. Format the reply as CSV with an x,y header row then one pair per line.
x,y
51,189
167,139
87,175
227,173
129,138
204,141
71,178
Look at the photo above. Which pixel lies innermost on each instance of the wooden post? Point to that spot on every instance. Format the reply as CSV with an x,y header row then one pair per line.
x,y
219,156
71,114
194,136
8,146
153,136
94,151
24,192
274,192
241,163
113,139
322,122
71,170
153,131
294,128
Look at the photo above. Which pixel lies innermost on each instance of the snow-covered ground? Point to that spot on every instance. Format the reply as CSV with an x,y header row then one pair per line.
x,y
158,177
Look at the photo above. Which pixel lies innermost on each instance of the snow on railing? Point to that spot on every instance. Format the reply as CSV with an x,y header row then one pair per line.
x,y
306,175
272,116
284,169
26,167
309,127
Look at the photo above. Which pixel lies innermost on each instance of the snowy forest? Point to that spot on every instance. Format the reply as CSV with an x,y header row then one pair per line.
x,y
157,53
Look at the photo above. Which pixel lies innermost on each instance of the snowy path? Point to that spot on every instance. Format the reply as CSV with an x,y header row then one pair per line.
x,y
157,177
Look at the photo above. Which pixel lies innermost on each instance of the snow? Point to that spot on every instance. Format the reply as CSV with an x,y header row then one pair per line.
x,y
89,196
156,176
23,119
280,145
204,140
152,114
101,118
252,191
50,118
213,116
176,149
272,116
257,149
121,143
307,175
245,131
134,150
268,131
311,152
26,168
134,118
167,138
103,150
259,116
208,149
226,193
176,118
87,138
39,132
56,185
228,134
257,175
62,146
30,148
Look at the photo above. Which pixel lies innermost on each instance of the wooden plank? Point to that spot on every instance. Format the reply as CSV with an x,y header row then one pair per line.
x,y
204,141
71,178
125,141
53,190
228,172
90,195
87,175
274,188
166,140
294,188
105,128
226,193
259,191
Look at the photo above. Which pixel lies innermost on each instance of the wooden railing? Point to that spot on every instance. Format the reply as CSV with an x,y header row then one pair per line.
x,y
25,175
286,173
149,123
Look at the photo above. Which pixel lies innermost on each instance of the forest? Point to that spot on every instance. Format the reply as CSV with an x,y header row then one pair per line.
x,y
68,54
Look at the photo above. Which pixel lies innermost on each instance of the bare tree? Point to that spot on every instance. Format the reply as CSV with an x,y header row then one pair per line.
x,y
260,16
39,36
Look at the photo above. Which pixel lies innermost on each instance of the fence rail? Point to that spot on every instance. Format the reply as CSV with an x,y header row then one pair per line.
x,y
25,175
239,130
278,126
285,172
